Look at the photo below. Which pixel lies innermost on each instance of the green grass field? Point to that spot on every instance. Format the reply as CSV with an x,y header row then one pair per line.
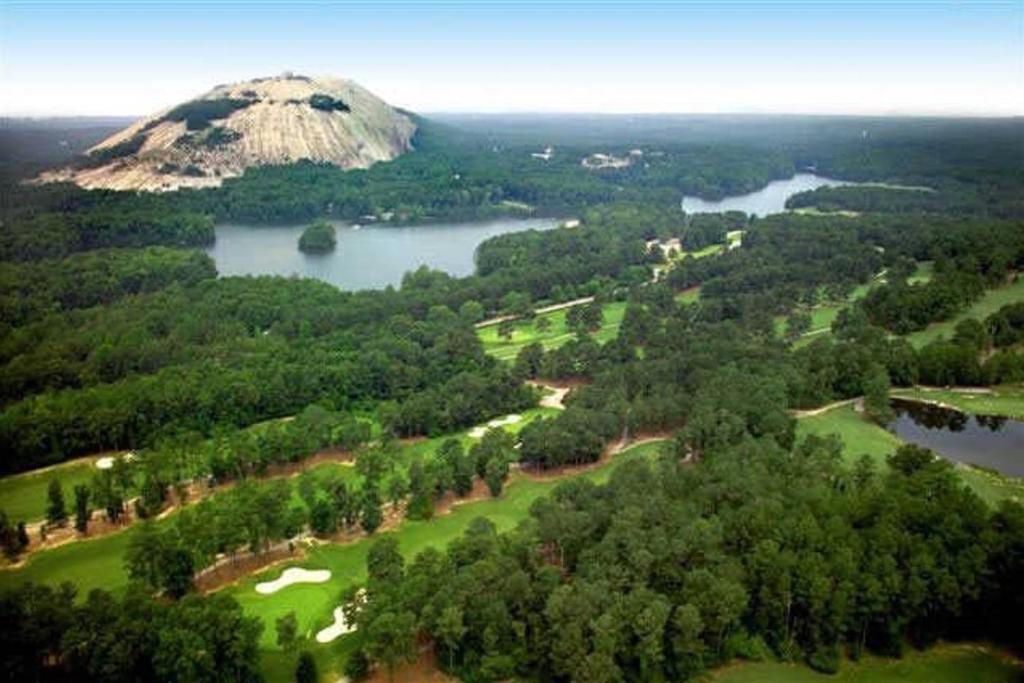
x,y
860,436
85,564
314,603
1007,401
710,250
525,332
948,663
989,303
23,496
822,316
923,273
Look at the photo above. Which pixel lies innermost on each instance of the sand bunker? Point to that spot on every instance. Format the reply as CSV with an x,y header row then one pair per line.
x,y
478,432
293,575
107,461
335,630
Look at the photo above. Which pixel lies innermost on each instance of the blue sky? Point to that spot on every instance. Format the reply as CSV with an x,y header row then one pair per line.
x,y
61,58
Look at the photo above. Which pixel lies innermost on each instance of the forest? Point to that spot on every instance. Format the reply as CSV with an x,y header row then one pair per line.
x,y
670,569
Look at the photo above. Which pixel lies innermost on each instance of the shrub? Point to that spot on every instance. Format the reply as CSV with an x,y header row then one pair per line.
x,y
122,149
219,136
197,114
327,103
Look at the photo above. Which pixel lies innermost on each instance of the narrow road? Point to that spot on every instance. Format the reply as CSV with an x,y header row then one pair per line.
x,y
824,409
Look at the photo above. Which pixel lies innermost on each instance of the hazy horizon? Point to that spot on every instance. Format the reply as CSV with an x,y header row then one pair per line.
x,y
572,57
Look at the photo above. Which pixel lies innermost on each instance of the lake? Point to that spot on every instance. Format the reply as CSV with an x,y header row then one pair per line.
x,y
375,256
367,257
990,441
769,199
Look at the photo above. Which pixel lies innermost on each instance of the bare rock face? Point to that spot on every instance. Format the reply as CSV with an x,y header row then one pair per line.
x,y
234,127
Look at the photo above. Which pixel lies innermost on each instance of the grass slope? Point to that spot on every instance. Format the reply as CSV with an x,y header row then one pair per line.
x,y
85,564
524,332
1007,401
24,496
951,663
860,436
823,315
989,303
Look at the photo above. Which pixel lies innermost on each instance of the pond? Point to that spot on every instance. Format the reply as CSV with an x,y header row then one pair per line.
x,y
366,257
769,199
990,441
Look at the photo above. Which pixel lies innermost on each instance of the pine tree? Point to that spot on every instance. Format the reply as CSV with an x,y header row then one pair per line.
x,y
56,512
82,512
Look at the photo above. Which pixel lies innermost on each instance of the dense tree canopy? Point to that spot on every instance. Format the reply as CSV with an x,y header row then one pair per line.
x,y
671,569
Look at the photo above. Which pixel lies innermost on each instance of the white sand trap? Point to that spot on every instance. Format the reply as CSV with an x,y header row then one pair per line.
x,y
107,461
335,630
293,575
478,432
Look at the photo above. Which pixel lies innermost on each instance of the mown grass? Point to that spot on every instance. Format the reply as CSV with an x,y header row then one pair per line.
x,y
525,332
90,564
859,435
313,604
989,303
823,315
710,250
24,496
1007,401
947,663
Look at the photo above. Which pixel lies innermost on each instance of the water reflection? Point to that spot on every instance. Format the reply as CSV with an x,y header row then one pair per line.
x,y
988,440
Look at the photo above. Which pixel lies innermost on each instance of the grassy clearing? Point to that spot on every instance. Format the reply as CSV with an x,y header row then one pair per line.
x,y
989,303
313,603
813,211
863,437
688,296
823,315
23,496
86,565
860,436
525,332
923,273
951,663
710,250
1007,401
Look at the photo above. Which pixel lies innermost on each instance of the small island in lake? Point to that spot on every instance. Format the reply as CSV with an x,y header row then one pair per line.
x,y
318,238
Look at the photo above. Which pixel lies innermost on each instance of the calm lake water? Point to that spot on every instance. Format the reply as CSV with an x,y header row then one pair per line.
x,y
994,442
369,257
769,199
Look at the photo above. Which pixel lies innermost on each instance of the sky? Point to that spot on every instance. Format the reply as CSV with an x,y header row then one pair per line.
x,y
872,57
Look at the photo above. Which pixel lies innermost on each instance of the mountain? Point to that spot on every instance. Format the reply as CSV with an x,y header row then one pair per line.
x,y
234,127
